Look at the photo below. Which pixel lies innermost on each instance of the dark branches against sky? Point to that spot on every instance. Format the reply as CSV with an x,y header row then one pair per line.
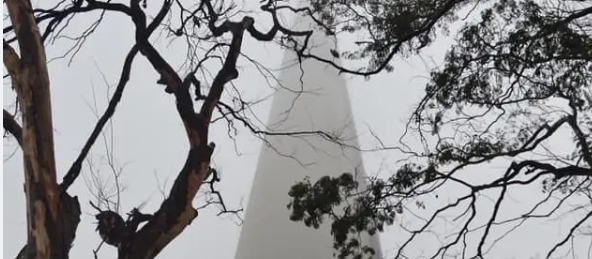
x,y
517,78
49,202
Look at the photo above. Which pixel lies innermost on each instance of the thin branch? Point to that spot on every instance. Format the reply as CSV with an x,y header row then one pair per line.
x,y
570,234
76,167
13,127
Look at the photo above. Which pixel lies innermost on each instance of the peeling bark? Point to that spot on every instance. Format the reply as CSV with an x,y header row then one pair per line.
x,y
68,223
51,218
11,61
52,214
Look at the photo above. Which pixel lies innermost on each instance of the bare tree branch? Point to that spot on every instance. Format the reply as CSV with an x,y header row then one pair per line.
x,y
13,127
74,170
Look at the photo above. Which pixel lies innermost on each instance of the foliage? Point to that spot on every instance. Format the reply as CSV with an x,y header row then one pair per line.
x,y
214,32
518,77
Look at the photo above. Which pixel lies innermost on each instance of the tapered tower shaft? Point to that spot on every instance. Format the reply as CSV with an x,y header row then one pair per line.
x,y
311,97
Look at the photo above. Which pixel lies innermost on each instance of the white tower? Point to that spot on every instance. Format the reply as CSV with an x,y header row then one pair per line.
x,y
311,97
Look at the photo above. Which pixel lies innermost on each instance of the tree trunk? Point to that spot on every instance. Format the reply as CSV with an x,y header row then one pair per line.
x,y
52,217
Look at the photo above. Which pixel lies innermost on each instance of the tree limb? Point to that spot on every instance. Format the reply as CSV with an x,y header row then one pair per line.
x,y
76,167
56,17
13,127
177,211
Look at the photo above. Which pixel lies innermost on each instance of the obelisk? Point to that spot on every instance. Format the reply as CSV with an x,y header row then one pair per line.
x,y
310,97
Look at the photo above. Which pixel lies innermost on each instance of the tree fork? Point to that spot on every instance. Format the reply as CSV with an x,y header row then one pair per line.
x,y
177,212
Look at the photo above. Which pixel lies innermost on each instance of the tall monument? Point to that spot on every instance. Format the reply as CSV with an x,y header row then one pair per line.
x,y
310,97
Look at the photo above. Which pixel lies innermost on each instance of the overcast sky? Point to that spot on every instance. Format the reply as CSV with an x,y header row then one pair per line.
x,y
149,140
150,143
